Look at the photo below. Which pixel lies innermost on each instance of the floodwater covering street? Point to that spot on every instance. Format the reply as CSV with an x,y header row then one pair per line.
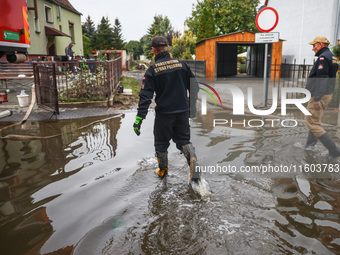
x,y
93,191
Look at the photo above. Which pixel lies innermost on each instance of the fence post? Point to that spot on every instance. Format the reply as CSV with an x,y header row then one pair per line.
x,y
303,75
55,90
108,82
294,70
275,66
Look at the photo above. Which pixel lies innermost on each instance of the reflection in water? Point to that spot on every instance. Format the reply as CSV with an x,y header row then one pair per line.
x,y
308,203
28,166
94,192
311,210
98,143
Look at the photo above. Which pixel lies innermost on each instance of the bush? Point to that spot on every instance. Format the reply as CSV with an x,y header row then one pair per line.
x,y
243,68
85,86
241,60
336,51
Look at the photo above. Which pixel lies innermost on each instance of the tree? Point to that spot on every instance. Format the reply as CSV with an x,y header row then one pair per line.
x,y
135,47
104,35
227,16
183,47
160,26
145,44
206,26
89,31
117,42
87,45
88,27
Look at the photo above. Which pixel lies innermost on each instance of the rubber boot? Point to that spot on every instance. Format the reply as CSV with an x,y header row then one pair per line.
x,y
327,141
311,140
189,152
162,169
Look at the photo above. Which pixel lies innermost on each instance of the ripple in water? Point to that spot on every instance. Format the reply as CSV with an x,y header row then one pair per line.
x,y
202,189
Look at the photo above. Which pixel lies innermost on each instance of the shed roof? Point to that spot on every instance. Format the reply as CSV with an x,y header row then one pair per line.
x,y
223,35
242,31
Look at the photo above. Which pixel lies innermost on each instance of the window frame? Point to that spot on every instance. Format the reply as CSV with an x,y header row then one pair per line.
x,y
48,13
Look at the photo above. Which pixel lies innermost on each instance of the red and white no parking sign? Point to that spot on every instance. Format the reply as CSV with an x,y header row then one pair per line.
x,y
267,19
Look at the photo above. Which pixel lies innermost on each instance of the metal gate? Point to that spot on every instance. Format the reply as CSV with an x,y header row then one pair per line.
x,y
46,86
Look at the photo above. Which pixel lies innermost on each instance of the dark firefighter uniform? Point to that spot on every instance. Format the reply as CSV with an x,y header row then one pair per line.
x,y
170,79
325,67
176,90
321,83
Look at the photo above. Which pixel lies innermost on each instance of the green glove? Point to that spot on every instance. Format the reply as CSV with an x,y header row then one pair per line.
x,y
137,124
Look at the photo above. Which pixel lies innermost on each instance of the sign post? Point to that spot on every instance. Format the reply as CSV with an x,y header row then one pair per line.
x,y
266,21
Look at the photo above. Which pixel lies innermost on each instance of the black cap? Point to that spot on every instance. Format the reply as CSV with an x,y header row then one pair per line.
x,y
159,41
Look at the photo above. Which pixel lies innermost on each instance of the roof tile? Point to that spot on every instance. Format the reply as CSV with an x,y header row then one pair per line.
x,y
66,4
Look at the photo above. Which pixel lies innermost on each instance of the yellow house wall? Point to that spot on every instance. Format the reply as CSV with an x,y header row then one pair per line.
x,y
63,41
40,42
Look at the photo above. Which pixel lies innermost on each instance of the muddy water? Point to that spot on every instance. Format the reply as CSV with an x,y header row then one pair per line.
x,y
93,191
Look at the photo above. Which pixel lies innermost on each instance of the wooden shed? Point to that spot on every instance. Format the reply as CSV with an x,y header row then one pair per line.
x,y
220,54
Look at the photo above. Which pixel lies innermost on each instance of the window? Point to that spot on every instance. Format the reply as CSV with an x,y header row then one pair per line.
x,y
48,14
71,27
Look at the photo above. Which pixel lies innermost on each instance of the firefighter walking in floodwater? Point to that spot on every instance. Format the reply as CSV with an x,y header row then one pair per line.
x,y
171,80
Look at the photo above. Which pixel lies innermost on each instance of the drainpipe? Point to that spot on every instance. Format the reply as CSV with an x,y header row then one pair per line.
x,y
59,17
336,32
35,9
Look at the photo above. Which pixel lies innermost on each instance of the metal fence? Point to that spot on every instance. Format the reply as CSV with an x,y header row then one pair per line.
x,y
197,67
85,81
90,81
290,75
295,76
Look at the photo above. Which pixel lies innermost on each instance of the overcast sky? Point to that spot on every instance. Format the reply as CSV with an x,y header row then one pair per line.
x,y
135,16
